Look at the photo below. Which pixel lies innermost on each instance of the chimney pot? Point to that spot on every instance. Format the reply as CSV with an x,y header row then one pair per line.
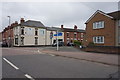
x,y
22,20
75,27
16,22
62,26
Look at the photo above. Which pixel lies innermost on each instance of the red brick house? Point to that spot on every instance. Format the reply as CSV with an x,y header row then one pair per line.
x,y
8,34
103,29
72,34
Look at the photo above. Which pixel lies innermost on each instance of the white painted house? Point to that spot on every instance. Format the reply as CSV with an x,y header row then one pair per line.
x,y
34,33
29,33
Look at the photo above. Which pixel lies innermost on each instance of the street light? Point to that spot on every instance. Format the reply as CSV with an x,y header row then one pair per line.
x,y
9,32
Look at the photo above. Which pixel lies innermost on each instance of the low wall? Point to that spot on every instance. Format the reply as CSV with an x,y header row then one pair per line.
x,y
103,49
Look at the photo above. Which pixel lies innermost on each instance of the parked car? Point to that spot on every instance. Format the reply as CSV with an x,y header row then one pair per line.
x,y
60,44
4,45
70,44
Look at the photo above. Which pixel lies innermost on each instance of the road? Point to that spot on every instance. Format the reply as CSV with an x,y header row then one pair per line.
x,y
33,64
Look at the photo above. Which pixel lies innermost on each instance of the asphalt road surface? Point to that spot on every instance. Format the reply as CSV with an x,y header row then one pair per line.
x,y
30,63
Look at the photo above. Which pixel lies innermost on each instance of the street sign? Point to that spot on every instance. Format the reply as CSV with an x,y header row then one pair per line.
x,y
51,35
58,34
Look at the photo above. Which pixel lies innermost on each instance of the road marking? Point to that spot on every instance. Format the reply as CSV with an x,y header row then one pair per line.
x,y
51,55
40,52
11,63
29,77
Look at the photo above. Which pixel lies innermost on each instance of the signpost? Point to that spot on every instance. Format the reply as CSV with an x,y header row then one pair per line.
x,y
51,36
57,34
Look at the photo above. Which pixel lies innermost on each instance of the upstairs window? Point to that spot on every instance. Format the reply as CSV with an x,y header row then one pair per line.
x,y
82,35
98,39
118,22
22,30
98,25
36,31
119,39
68,34
75,35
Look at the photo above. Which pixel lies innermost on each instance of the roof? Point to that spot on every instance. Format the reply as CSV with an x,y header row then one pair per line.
x,y
73,30
65,29
115,15
32,23
53,28
98,11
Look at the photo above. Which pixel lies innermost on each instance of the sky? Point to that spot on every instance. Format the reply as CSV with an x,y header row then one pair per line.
x,y
53,13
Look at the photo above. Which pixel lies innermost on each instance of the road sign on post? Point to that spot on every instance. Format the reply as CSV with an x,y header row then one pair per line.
x,y
58,34
51,35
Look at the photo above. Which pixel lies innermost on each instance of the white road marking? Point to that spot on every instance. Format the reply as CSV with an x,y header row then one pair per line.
x,y
11,63
51,55
29,77
40,52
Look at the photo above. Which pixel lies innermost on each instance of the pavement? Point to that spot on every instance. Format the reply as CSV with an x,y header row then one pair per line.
x,y
71,52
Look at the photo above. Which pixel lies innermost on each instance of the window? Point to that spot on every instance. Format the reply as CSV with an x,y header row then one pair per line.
x,y
98,39
16,41
36,40
119,40
75,35
97,25
22,30
42,31
36,31
22,40
82,35
68,35
118,22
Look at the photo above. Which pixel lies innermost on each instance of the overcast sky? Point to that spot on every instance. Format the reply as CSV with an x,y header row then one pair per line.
x,y
54,13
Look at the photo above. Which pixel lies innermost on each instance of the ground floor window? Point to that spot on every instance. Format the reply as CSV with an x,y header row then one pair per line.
x,y
119,39
22,40
98,39
36,40
16,41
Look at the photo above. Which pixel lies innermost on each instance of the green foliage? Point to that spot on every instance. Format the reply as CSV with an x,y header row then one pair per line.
x,y
91,44
77,43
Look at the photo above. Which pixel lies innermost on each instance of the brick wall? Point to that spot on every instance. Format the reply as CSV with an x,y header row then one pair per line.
x,y
108,31
71,37
103,49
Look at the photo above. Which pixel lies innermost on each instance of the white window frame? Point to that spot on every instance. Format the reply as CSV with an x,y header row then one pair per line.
x,y
119,39
98,25
97,38
118,22
81,35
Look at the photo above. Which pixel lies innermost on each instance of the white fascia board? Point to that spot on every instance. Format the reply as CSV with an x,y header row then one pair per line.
x,y
98,11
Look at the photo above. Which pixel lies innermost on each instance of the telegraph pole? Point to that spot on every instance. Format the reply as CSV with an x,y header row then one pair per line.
x,y
57,42
9,31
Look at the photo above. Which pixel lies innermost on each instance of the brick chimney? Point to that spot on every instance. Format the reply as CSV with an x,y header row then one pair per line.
x,y
16,22
61,26
75,27
22,20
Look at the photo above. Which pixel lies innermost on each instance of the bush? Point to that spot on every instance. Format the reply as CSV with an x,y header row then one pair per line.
x,y
77,43
91,44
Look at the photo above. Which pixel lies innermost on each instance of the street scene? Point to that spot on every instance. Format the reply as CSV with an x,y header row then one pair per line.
x,y
60,40
37,64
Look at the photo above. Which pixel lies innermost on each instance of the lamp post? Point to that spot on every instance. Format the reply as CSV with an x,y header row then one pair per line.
x,y
9,31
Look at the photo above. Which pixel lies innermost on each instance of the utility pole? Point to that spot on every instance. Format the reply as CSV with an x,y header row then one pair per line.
x,y
9,32
57,42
